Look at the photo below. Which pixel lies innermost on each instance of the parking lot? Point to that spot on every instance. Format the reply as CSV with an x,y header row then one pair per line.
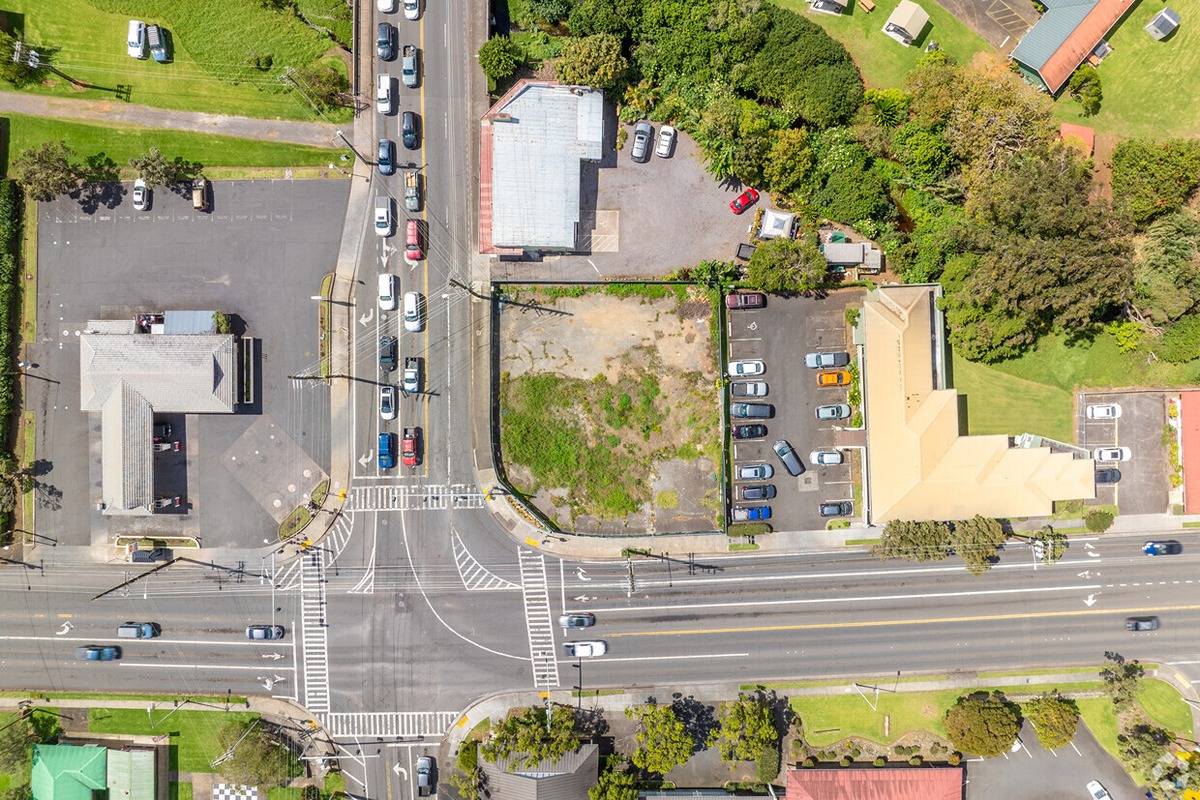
x,y
779,335
259,257
1144,485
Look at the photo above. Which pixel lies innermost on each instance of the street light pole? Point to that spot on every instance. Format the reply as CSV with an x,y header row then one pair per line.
x,y
353,149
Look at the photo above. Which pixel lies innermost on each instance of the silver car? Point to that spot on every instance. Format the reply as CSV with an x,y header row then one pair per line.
x,y
826,360
787,454
387,402
748,389
755,472
825,458
642,135
835,411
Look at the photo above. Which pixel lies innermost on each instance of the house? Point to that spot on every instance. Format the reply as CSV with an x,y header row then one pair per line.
x,y
87,772
776,225
1064,37
874,783
834,7
530,148
1164,24
853,255
918,464
566,778
906,23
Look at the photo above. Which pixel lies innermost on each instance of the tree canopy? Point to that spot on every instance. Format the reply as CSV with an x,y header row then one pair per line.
x,y
1151,178
592,61
787,266
1054,718
976,542
663,740
983,723
526,736
747,727
915,541
499,57
258,757
46,171
1122,678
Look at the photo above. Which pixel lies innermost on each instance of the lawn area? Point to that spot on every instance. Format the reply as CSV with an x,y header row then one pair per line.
x,y
1142,78
1097,713
179,791
882,60
122,143
212,43
194,734
1001,403
1162,702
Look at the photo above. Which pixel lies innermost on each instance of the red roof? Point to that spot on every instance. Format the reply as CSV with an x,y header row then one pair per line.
x,y
877,783
1189,422
1078,135
1082,41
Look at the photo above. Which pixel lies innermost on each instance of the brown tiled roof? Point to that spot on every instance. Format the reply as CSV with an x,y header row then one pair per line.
x,y
1080,136
1082,41
891,783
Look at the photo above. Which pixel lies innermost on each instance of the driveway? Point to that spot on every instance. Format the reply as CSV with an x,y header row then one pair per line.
x,y
258,257
1001,22
1144,484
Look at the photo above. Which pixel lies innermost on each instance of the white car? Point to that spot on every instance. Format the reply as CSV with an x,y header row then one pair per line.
x,y
135,42
386,6
1112,454
585,649
385,96
739,369
666,142
1097,792
141,195
1106,411
414,312
825,458
383,216
387,402
754,472
412,9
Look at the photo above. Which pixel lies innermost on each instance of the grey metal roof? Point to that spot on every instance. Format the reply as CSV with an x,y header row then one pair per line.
x,y
130,774
127,463
188,322
184,374
538,139
1163,23
111,326
1044,39
566,778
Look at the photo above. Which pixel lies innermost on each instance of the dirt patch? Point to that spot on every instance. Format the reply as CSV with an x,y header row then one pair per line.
x,y
610,409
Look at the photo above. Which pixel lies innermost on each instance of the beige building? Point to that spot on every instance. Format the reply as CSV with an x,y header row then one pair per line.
x,y
919,465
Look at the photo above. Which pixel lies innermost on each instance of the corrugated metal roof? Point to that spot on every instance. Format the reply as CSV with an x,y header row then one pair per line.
x,y
184,374
127,460
566,778
1061,19
188,322
892,783
1065,35
67,772
130,775
909,17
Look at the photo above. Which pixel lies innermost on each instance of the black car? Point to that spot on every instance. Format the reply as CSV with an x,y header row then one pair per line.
x,y
386,163
163,430
762,491
408,130
1108,476
749,431
839,509
1141,624
385,41
149,556
387,353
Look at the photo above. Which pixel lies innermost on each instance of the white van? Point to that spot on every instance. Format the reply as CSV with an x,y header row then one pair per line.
x,y
387,292
383,216
136,40
413,312
385,95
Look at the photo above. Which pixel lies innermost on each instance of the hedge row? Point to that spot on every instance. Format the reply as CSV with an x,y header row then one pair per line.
x,y
10,300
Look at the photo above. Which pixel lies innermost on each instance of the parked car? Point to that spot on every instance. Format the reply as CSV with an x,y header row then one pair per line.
x,y
410,447
412,242
153,554
826,458
1168,547
424,776
736,300
744,200
412,9
408,129
414,312
787,454
739,369
386,162
257,632
1112,454
758,491
579,619
833,377
755,472
585,649
135,40
385,94
95,652
751,410
1107,477
386,6
387,450
835,411
748,389
843,508
385,41
163,430
1097,792
408,65
1104,411
384,224
387,353
412,375
666,142
156,37
751,513
200,194
753,431
1141,623
642,134
141,195
387,402
826,360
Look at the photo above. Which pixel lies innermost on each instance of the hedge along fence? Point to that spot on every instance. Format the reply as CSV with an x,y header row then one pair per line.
x,y
10,321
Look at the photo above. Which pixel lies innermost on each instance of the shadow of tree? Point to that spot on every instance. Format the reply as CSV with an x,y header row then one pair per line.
x,y
100,184
699,719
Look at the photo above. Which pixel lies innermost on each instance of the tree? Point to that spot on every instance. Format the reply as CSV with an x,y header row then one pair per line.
x,y
550,10
1122,678
713,274
1143,745
592,61
525,735
640,98
616,17
976,541
615,783
258,758
887,107
1098,520
1151,177
1181,341
790,161
21,791
1053,543
915,541
925,154
1166,277
153,168
1084,87
983,723
499,58
46,171
787,266
747,728
323,83
16,742
1054,718
663,741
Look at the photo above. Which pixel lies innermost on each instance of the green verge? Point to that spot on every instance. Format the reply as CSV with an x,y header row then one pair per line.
x,y
867,542
1163,703
179,791
193,734
212,43
215,699
121,143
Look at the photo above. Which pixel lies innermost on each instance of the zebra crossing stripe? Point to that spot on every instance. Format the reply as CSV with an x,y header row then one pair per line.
x,y
405,497
475,576
313,635
389,724
538,621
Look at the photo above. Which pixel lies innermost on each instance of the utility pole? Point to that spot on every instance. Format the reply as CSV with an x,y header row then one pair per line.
x,y
229,753
632,584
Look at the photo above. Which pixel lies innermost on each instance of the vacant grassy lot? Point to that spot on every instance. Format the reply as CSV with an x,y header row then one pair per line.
x,y
122,143
609,415
194,734
212,44
996,402
1150,88
882,60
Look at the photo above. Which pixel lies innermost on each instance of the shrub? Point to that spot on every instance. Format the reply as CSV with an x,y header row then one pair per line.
x,y
880,761
10,296
954,759
845,761
1150,177
1085,88
914,761
809,762
1098,520
1181,342
766,768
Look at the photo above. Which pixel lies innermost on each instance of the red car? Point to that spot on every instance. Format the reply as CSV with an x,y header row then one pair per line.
x,y
409,447
743,201
736,300
412,242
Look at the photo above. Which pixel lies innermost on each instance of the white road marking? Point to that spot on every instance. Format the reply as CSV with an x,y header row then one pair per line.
x,y
475,576
538,620
199,666
313,634
390,724
667,658
153,642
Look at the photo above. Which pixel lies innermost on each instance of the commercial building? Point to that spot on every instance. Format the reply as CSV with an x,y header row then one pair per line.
x,y
1064,37
873,783
566,778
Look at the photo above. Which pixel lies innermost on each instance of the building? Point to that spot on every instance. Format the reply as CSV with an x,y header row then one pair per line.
x,y
906,23
1164,24
1064,36
128,375
566,778
853,255
530,148
874,783
919,466
87,772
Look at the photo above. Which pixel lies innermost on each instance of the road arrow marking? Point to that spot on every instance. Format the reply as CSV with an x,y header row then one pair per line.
x,y
64,628
1093,554
273,656
583,598
364,460
399,770
367,317
1091,600
579,573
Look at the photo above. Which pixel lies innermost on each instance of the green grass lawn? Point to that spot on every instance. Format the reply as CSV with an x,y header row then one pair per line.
x,y
1162,702
194,734
211,42
179,791
882,60
122,143
1001,403
1097,713
1150,88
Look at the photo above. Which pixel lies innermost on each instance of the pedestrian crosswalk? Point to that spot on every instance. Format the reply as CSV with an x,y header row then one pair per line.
x,y
475,576
390,724
313,634
405,497
287,577
535,591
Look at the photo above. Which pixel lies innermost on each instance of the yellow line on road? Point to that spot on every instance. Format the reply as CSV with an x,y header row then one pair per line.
x,y
884,623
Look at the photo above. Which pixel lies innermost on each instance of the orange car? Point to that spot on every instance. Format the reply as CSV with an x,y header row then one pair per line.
x,y
833,377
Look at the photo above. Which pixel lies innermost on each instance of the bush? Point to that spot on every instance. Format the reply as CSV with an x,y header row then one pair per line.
x,y
1181,342
1085,88
880,761
809,762
1098,520
1150,177
845,761
954,759
983,723
766,767
10,300
914,761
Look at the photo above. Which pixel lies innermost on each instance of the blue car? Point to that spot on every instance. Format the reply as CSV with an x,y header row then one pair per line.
x,y
749,513
1164,548
94,652
387,450
387,157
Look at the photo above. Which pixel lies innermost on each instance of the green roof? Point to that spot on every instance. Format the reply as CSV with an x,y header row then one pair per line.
x,y
130,775
68,772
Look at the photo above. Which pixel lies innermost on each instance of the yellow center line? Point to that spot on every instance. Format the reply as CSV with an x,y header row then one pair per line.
x,y
883,623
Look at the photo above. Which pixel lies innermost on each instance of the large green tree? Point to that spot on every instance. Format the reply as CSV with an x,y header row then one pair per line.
x,y
528,736
1054,718
19,71
323,82
1142,745
976,541
592,61
1152,177
747,727
790,161
615,783
499,58
1122,678
1166,281
16,743
663,740
983,723
46,171
257,757
927,540
787,266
